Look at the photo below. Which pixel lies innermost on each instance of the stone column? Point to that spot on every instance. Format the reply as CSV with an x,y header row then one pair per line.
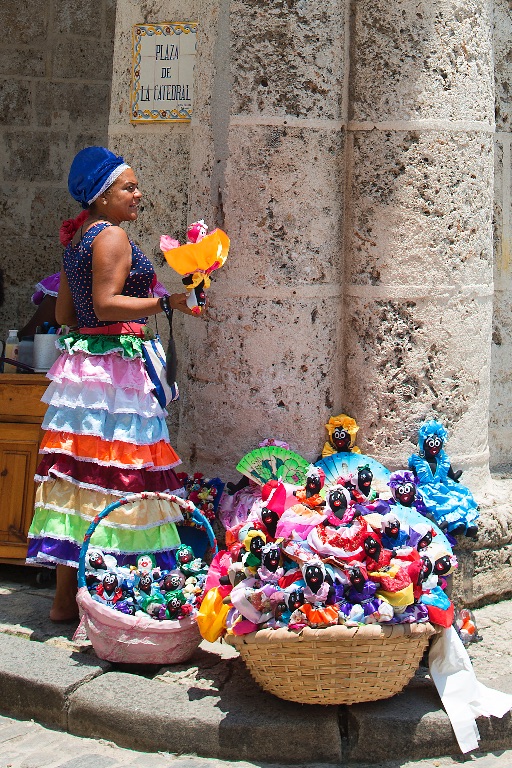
x,y
419,238
267,165
500,422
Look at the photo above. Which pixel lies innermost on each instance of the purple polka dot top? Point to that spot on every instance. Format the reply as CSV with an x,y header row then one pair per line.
x,y
78,269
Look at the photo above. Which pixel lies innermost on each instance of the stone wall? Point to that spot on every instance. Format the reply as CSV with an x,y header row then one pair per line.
x,y
55,67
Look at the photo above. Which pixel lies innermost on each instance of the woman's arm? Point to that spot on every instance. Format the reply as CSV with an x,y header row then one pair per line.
x,y
45,313
111,264
65,309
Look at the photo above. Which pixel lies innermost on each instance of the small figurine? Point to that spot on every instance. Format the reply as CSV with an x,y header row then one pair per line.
x,y
192,589
363,485
466,628
270,519
148,597
280,610
95,561
253,545
451,505
317,587
443,561
203,492
338,501
270,569
403,485
172,581
372,548
146,585
108,592
294,598
310,493
342,431
426,578
251,598
393,537
96,565
315,480
421,536
174,604
315,612
147,564
361,592
196,260
376,557
188,564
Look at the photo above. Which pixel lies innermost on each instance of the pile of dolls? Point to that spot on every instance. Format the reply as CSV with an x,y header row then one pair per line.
x,y
144,589
205,493
341,541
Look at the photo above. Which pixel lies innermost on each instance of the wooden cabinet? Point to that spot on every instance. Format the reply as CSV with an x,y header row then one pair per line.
x,y
21,414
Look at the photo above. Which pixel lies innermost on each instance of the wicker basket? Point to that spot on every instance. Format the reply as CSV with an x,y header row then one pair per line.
x,y
335,665
137,639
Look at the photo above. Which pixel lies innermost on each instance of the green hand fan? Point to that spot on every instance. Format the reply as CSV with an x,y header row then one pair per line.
x,y
273,462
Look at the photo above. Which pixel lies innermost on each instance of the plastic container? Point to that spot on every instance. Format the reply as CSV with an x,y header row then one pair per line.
x,y
45,351
26,351
11,351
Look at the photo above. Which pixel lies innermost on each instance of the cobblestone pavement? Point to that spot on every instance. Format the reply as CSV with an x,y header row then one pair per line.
x,y
25,744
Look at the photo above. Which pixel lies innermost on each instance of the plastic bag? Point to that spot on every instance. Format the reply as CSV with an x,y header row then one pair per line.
x,y
211,618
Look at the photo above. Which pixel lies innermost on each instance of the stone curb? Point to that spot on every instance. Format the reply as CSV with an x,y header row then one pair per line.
x,y
36,680
232,726
210,707
174,713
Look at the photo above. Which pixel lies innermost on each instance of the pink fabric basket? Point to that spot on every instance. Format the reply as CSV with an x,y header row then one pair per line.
x,y
125,639
136,639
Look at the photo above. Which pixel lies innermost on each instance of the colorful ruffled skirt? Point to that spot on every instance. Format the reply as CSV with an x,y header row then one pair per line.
x,y
105,437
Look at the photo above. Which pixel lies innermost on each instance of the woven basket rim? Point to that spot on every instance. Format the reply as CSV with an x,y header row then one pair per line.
x,y
338,633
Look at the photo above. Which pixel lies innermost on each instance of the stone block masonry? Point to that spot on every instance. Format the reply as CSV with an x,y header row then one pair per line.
x,y
55,66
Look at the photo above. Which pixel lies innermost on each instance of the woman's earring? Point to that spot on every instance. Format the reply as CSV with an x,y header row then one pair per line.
x,y
104,201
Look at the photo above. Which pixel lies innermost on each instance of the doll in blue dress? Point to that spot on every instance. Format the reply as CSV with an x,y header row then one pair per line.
x,y
452,505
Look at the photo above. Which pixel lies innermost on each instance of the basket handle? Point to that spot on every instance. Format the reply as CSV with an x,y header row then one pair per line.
x,y
186,505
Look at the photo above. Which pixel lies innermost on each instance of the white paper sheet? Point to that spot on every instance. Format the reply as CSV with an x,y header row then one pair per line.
x,y
463,697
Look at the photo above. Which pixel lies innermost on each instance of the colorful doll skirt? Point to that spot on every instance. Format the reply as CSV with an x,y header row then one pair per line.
x,y
105,437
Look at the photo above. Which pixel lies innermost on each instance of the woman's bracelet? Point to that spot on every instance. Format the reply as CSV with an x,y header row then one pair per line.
x,y
164,303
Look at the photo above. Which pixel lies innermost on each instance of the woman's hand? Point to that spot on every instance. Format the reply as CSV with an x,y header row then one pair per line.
x,y
179,301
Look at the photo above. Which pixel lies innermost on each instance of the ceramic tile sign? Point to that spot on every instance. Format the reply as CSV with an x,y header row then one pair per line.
x,y
163,65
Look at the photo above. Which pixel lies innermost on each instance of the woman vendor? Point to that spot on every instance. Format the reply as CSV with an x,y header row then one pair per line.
x,y
106,434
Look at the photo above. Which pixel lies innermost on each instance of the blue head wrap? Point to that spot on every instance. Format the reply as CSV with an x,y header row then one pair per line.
x,y
92,171
429,428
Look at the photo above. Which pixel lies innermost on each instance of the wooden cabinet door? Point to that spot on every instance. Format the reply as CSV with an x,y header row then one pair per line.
x,y
19,445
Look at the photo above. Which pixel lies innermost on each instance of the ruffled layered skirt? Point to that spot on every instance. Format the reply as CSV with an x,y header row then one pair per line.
x,y
105,438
